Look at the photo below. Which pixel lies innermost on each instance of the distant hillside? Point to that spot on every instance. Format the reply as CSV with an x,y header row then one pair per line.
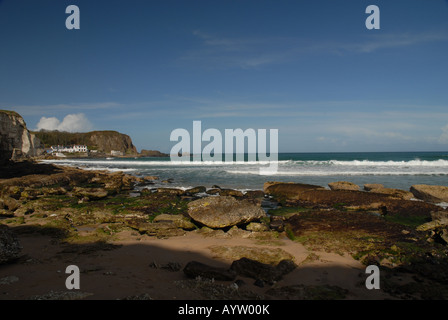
x,y
103,141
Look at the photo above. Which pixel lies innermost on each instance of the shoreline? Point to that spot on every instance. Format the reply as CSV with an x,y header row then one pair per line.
x,y
184,187
396,171
126,250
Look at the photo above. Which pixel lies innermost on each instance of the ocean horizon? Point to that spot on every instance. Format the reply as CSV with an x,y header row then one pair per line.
x,y
392,169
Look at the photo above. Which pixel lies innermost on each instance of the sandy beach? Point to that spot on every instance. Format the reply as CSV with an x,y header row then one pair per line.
x,y
126,272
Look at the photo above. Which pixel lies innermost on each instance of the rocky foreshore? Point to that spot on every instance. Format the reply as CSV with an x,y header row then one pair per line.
x,y
257,244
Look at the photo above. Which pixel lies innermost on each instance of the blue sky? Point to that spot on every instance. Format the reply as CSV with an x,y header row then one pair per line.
x,y
308,68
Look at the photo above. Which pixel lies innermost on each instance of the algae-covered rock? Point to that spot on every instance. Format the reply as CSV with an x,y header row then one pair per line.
x,y
257,227
179,220
9,203
91,193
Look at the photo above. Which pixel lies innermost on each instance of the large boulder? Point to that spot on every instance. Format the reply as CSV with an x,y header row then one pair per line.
x,y
10,247
343,185
430,193
221,212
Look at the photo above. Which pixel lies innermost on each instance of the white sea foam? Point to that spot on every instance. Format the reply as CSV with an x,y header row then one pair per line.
x,y
343,173
160,163
246,174
363,163
368,163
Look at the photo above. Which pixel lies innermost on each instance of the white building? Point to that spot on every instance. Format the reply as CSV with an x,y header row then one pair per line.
x,y
70,149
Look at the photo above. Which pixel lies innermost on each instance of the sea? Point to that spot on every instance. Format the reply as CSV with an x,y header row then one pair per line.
x,y
392,169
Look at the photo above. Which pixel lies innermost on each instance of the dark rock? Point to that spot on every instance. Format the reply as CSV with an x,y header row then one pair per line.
x,y
240,283
213,191
174,191
230,192
288,190
196,269
254,194
172,266
195,190
259,283
10,247
277,223
258,270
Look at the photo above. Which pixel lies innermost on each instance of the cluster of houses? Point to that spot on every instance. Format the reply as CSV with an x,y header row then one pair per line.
x,y
59,151
70,149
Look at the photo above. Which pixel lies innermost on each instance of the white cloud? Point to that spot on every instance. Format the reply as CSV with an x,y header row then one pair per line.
x,y
71,123
48,123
